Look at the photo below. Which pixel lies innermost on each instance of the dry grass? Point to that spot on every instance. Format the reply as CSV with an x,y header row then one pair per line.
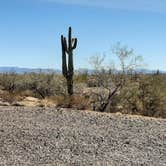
x,y
75,101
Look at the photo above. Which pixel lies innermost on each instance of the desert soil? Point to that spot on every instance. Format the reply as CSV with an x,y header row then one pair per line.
x,y
49,136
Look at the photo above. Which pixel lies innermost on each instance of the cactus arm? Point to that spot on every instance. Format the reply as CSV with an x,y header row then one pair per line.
x,y
70,39
64,65
74,43
65,43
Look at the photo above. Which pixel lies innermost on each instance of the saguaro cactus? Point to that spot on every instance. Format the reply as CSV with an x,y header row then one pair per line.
x,y
68,69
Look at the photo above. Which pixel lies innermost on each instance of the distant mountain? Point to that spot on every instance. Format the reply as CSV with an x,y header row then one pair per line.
x,y
143,71
147,71
20,70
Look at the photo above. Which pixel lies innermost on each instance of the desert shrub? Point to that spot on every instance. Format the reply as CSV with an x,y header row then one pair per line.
x,y
37,84
150,88
80,77
148,96
92,82
10,97
99,75
8,81
141,94
74,101
128,91
99,79
44,85
143,97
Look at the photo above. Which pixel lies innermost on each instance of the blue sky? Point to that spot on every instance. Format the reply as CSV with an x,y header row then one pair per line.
x,y
30,30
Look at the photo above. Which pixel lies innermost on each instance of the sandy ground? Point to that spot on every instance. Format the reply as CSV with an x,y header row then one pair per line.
x,y
48,137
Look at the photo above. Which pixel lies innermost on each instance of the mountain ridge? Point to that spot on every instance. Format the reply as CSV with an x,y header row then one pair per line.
x,y
22,70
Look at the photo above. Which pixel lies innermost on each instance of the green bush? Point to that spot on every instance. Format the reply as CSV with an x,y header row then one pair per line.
x,y
145,96
40,84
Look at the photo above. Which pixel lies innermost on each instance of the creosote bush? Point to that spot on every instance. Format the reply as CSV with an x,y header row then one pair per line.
x,y
143,96
39,85
8,81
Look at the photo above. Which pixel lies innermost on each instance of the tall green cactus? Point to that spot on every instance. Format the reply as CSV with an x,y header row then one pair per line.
x,y
68,70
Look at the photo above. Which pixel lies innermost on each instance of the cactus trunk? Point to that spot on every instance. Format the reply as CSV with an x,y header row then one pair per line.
x,y
70,86
68,69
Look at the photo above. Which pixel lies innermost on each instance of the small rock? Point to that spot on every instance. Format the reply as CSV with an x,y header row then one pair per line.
x,y
17,104
4,103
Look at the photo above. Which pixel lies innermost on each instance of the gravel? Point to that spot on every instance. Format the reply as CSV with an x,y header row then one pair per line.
x,y
50,137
